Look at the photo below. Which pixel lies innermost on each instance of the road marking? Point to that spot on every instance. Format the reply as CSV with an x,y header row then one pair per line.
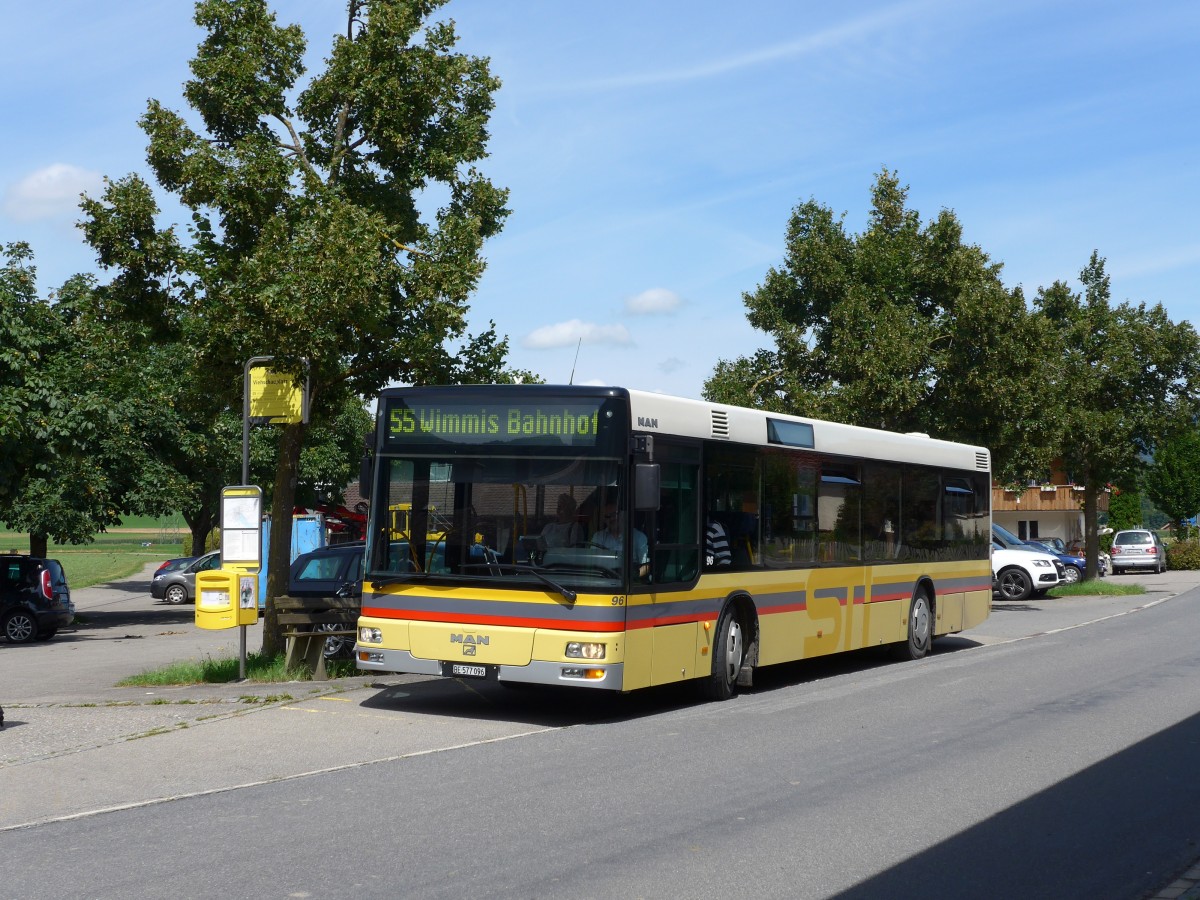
x,y
142,804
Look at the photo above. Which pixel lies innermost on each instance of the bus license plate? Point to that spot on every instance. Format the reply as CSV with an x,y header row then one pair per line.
x,y
468,671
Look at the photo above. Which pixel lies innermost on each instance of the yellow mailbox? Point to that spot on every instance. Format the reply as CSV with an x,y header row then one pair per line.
x,y
226,598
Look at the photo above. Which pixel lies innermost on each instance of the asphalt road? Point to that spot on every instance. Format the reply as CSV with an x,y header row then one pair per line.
x,y
1049,753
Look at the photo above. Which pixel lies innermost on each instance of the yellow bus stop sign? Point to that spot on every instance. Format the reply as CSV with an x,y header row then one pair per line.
x,y
275,399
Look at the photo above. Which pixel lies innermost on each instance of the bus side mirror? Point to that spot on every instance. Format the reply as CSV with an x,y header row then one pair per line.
x,y
364,475
646,486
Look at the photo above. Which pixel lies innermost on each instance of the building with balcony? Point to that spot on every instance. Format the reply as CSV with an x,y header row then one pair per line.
x,y
1044,509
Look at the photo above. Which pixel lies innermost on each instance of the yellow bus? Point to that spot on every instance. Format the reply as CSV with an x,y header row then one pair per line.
x,y
615,539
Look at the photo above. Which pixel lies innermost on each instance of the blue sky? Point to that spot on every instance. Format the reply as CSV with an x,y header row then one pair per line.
x,y
655,150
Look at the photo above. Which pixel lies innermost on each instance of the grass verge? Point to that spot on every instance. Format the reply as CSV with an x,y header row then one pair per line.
x,y
259,668
111,558
1104,587
103,567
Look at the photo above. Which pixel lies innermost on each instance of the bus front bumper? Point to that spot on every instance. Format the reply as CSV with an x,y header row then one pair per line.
x,y
576,673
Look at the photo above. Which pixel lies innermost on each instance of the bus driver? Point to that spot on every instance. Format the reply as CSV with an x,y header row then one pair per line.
x,y
610,538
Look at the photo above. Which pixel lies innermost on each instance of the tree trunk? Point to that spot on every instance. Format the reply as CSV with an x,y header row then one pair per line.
x,y
200,525
279,554
39,545
1091,536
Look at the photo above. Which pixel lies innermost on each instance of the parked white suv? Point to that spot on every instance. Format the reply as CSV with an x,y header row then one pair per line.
x,y
1018,572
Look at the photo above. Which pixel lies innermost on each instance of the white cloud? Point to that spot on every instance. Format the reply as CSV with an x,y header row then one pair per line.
x,y
50,192
565,334
671,365
653,302
851,32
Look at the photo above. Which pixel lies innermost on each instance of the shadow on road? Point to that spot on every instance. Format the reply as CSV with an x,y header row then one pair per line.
x,y
1143,803
101,619
561,707
113,608
546,707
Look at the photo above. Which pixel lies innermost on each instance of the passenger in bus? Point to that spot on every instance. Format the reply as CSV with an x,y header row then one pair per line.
x,y
565,530
716,545
610,538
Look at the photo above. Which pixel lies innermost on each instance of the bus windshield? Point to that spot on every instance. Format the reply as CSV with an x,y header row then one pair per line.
x,y
501,483
520,519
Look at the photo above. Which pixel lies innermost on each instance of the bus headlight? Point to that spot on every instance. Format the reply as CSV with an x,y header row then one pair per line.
x,y
585,650
370,636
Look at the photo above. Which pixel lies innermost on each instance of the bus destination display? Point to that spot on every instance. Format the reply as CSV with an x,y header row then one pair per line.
x,y
551,424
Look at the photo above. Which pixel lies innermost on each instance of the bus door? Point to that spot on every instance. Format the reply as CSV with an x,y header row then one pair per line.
x,y
837,586
673,532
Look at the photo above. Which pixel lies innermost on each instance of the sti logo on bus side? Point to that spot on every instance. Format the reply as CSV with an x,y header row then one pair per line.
x,y
644,422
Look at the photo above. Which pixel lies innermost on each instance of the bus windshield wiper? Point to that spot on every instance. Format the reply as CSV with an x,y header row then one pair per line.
x,y
568,594
399,577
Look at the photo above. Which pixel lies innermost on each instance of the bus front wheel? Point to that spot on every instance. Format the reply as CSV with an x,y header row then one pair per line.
x,y
729,651
920,628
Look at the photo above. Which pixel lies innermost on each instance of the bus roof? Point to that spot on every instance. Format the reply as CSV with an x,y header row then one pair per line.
x,y
654,413
718,421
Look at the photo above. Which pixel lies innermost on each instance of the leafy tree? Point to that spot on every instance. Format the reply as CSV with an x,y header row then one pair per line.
x,y
28,331
1124,508
81,417
903,327
1173,479
336,225
1131,374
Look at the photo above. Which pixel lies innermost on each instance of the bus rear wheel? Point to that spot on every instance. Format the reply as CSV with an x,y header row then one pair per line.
x,y
920,629
729,651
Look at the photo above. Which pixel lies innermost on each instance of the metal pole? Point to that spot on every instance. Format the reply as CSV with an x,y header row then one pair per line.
x,y
246,480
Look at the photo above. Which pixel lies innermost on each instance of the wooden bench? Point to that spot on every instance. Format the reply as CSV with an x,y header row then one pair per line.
x,y
299,618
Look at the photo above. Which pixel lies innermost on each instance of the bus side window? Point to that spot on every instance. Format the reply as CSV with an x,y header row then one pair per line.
x,y
675,552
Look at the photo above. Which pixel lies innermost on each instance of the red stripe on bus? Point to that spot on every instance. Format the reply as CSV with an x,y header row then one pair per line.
x,y
636,624
768,609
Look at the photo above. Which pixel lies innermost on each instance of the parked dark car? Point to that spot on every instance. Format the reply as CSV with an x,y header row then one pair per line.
x,y
333,571
170,565
35,600
177,584
1073,566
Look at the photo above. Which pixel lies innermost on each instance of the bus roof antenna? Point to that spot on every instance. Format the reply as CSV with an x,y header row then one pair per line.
x,y
577,346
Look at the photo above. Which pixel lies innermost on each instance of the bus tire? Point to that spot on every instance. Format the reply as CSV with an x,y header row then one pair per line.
x,y
729,652
920,628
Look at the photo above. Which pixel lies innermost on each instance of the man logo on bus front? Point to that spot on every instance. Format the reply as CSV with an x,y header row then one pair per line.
x,y
468,649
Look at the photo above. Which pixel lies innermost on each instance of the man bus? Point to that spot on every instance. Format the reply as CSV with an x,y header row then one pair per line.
x,y
838,538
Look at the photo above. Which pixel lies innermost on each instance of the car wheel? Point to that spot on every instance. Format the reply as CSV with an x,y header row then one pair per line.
x,y
337,646
20,626
1071,574
728,653
1014,584
176,594
1117,571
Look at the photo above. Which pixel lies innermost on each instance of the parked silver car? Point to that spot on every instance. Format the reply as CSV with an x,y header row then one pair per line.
x,y
178,585
1138,548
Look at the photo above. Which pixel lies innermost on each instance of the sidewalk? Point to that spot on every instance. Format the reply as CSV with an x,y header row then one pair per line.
x,y
75,744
